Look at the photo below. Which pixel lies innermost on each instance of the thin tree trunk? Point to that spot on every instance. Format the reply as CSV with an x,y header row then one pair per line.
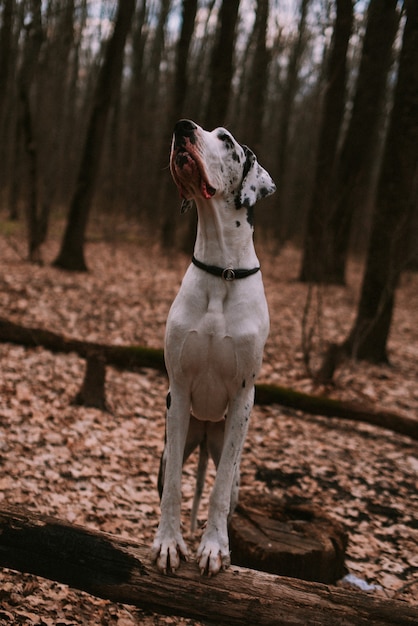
x,y
395,204
316,245
71,255
6,40
52,99
356,158
221,69
189,8
257,80
134,116
288,98
37,222
181,83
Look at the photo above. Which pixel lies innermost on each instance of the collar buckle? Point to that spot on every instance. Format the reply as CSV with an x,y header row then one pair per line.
x,y
228,274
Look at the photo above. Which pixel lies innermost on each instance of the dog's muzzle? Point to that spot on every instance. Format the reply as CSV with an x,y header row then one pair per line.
x,y
186,163
184,129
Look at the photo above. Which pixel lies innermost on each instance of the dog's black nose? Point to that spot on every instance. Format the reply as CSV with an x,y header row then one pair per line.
x,y
182,130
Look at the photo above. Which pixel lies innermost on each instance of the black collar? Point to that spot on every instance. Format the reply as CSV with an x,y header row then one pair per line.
x,y
227,273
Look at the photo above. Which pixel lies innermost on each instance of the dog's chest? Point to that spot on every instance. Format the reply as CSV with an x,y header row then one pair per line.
x,y
217,331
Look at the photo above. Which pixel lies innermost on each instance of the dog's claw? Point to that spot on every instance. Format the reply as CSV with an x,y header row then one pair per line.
x,y
213,556
167,554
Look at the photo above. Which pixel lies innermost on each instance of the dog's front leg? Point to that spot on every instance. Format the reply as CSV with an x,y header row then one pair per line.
x,y
213,553
168,544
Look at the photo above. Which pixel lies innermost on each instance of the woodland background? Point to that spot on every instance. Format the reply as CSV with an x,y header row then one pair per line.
x,y
326,93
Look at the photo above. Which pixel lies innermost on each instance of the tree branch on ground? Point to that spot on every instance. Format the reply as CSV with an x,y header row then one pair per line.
x,y
120,570
134,357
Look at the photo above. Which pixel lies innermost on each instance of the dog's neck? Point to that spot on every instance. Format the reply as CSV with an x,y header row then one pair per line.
x,y
224,235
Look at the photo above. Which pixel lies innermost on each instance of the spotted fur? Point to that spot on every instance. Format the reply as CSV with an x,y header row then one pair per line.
x,y
215,334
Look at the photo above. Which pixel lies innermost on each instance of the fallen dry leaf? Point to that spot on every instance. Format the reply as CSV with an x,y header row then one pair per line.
x,y
100,469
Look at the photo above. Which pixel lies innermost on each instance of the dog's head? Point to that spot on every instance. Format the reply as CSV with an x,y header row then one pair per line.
x,y
206,165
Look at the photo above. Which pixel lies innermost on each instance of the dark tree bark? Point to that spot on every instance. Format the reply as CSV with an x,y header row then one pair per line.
x,y
257,80
288,97
221,68
316,244
71,255
5,56
157,52
120,570
37,219
270,534
189,8
396,196
132,136
395,203
7,64
355,161
52,101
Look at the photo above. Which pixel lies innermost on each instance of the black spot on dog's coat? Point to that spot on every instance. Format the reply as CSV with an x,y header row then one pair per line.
x,y
250,215
227,140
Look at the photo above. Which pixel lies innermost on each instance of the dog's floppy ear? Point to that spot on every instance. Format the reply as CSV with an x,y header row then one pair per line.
x,y
256,182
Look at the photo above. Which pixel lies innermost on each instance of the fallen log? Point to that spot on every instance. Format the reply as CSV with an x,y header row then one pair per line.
x,y
120,570
134,357
330,407
125,357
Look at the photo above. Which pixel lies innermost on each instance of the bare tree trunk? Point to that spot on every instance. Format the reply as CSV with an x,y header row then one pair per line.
x,y
394,208
71,255
157,101
221,70
395,204
316,244
10,127
355,161
52,99
257,80
181,82
37,221
189,8
288,98
5,67
134,178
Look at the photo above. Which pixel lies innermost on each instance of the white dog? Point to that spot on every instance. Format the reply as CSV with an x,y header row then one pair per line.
x,y
215,335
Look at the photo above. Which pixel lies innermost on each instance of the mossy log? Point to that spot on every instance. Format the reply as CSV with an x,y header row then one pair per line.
x,y
125,357
331,407
134,357
120,570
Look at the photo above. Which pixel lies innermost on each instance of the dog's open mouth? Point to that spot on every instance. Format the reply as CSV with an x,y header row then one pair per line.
x,y
188,174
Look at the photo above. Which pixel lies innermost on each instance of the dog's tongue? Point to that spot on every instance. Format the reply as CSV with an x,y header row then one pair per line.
x,y
207,190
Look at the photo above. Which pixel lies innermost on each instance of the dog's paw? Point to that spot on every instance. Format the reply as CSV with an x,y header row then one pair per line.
x,y
213,554
166,553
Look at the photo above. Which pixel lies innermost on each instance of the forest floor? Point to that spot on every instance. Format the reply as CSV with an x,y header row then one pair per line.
x,y
100,469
